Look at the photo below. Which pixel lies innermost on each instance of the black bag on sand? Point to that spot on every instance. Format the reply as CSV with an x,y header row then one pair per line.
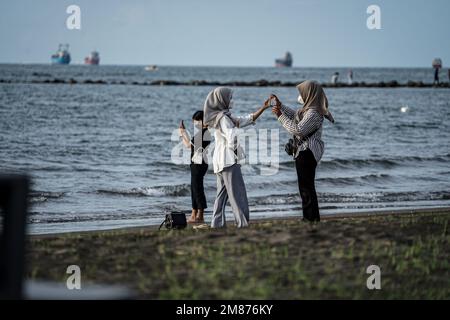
x,y
174,220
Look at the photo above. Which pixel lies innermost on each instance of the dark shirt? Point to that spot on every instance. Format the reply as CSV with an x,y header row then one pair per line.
x,y
205,137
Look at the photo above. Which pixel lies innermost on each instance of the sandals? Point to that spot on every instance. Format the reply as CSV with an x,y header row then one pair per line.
x,y
201,226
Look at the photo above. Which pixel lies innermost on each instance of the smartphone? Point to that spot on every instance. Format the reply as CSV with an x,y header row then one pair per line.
x,y
273,102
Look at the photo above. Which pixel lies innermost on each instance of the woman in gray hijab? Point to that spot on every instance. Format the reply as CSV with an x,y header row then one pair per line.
x,y
227,153
305,124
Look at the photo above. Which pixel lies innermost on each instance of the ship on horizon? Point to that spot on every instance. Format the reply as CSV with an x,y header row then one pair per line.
x,y
92,59
62,56
286,61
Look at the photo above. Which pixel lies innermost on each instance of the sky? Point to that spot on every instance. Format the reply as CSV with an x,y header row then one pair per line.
x,y
319,33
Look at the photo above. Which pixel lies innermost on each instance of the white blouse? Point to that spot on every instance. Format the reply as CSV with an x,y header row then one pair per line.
x,y
227,151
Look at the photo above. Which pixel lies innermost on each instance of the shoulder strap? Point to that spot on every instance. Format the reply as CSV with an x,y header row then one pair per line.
x,y
164,222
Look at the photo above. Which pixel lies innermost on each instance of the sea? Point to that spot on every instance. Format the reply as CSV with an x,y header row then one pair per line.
x,y
105,156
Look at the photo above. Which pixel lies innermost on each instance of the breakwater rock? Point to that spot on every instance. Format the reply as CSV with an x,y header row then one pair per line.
x,y
257,83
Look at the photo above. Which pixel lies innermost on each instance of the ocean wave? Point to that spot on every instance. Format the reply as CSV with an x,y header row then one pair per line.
x,y
163,166
358,163
363,197
388,196
427,126
368,179
384,163
43,196
345,181
160,191
37,217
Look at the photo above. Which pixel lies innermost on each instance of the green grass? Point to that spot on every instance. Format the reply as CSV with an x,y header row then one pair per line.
x,y
270,260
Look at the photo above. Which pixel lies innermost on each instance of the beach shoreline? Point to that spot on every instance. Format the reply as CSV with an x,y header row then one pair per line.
x,y
155,227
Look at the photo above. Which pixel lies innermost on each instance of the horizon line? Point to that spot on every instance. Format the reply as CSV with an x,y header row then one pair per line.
x,y
224,66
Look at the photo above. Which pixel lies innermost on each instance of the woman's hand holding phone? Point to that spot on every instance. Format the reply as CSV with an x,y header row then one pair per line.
x,y
276,105
267,103
275,101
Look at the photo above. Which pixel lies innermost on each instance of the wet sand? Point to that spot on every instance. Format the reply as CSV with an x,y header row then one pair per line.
x,y
274,258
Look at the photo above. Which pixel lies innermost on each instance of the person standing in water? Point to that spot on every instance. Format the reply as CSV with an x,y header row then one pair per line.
x,y
305,124
199,167
334,78
350,77
436,76
227,153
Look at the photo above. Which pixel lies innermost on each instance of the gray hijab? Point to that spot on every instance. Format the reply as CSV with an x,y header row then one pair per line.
x,y
216,106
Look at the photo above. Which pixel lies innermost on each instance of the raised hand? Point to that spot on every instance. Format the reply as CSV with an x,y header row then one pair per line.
x,y
276,110
260,111
277,101
267,103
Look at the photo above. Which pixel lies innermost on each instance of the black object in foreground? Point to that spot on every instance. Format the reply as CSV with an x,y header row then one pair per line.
x,y
174,220
13,209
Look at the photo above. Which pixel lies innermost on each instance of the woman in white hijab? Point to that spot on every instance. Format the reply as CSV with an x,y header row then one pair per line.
x,y
227,153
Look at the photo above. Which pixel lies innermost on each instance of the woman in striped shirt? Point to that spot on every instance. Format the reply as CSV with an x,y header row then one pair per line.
x,y
305,124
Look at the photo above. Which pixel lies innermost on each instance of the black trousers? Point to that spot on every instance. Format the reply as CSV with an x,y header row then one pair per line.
x,y
198,172
306,165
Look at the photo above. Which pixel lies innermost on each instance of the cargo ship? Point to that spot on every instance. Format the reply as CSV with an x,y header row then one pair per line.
x,y
62,56
92,59
286,61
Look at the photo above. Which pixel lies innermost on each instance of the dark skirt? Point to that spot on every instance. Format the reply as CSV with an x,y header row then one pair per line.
x,y
198,197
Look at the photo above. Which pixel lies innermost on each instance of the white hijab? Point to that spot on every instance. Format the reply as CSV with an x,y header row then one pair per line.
x,y
217,105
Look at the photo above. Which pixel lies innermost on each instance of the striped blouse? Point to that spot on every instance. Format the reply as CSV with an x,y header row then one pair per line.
x,y
311,121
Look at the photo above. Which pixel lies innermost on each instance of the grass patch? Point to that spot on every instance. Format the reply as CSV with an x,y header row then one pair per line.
x,y
270,260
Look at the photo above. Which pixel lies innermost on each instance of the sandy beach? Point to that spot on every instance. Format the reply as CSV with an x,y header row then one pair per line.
x,y
272,259
307,144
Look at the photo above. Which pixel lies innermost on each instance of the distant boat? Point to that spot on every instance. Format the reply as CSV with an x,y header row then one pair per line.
x,y
62,56
284,62
151,68
92,59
